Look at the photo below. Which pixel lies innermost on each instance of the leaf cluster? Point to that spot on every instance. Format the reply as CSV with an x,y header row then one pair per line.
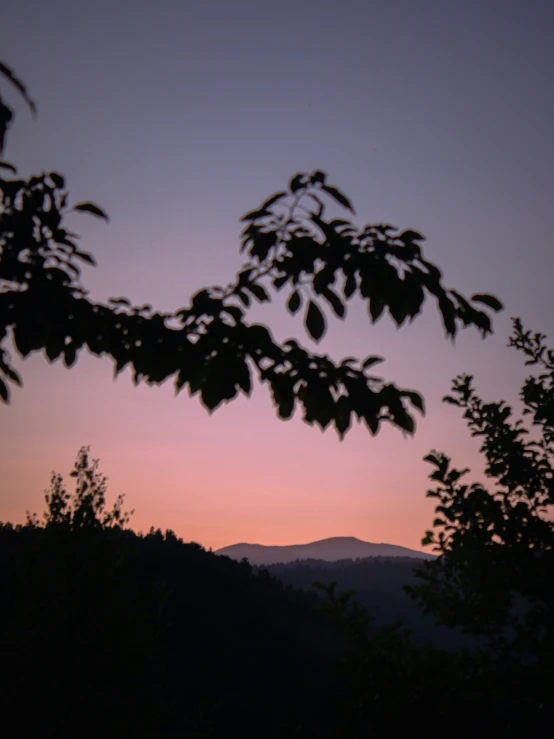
x,y
209,346
494,573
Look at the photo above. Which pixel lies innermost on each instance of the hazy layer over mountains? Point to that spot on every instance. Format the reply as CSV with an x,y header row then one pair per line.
x,y
329,550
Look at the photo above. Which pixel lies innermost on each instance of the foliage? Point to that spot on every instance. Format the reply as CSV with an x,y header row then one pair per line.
x,y
209,347
492,579
494,576
104,630
378,584
87,506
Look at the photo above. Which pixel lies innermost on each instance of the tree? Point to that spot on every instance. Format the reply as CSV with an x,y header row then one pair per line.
x,y
291,244
493,579
87,507
494,573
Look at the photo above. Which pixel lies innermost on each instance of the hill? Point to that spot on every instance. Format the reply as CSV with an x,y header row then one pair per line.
x,y
378,583
329,550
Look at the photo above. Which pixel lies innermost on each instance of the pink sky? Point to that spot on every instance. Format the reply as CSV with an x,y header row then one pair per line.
x,y
177,120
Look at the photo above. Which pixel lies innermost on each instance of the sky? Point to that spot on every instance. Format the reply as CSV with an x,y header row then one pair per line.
x,y
179,117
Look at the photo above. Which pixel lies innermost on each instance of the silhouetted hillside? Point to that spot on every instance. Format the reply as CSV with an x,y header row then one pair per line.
x,y
153,637
331,550
378,583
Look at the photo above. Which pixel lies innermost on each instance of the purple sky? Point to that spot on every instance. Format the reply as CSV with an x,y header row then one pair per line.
x,y
177,118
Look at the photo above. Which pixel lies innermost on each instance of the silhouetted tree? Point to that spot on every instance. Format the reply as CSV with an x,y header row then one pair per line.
x,y
104,630
495,574
209,346
493,579
87,506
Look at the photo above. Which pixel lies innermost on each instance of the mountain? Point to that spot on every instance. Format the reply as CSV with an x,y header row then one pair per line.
x,y
329,550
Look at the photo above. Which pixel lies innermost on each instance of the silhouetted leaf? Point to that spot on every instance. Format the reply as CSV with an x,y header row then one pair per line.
x,y
315,321
415,399
57,179
337,195
376,308
244,297
334,301
488,300
318,177
370,361
448,311
404,421
273,199
4,394
297,182
70,355
7,72
295,301
409,235
91,208
54,347
350,285
451,401
6,165
234,311
263,242
86,257
278,282
427,539
343,411
259,291
255,214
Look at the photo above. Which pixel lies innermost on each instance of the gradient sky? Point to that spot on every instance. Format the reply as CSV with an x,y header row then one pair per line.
x,y
177,118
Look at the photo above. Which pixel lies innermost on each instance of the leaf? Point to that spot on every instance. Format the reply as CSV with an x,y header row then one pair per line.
x,y
262,244
244,297
57,179
234,311
258,291
297,182
370,361
4,391
376,307
448,311
452,401
86,257
273,199
255,214
404,421
315,321
339,197
343,410
488,300
278,282
295,301
318,177
350,286
415,399
6,165
335,302
120,301
428,539
7,72
409,236
70,355
54,347
432,459
91,208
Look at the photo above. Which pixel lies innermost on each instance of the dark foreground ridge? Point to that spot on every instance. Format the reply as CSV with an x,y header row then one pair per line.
x,y
329,550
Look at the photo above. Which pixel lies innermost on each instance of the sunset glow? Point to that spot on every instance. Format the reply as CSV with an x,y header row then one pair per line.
x,y
177,146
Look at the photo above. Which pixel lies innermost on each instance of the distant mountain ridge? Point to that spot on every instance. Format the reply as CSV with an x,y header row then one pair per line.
x,y
330,550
